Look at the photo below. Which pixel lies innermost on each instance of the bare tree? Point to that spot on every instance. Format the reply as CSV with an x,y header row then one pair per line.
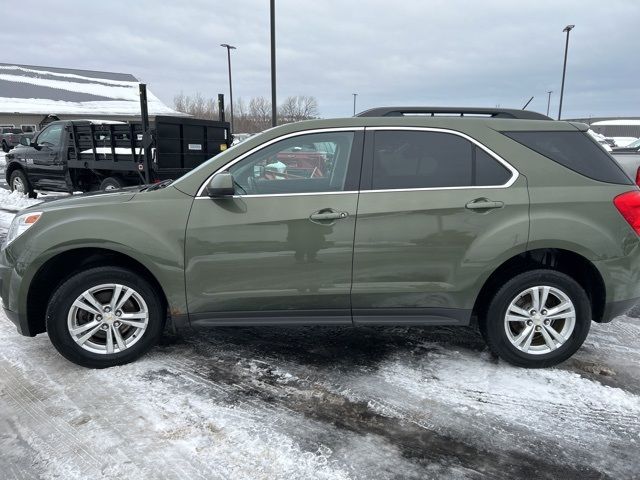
x,y
297,108
251,117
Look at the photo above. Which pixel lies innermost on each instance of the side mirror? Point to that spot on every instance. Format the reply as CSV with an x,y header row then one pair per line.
x,y
221,185
25,141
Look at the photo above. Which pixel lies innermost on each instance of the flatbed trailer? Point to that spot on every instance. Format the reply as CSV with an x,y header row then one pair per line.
x,y
88,155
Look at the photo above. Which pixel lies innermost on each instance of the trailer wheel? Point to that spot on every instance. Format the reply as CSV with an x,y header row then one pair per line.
x,y
111,183
20,183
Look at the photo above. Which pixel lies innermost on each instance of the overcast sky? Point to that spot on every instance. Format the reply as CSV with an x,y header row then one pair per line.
x,y
406,52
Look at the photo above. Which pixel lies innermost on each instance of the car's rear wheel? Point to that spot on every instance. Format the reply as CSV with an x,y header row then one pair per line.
x,y
537,319
112,183
104,316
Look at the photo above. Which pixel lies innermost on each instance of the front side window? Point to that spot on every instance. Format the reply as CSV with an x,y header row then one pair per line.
x,y
307,163
416,159
50,136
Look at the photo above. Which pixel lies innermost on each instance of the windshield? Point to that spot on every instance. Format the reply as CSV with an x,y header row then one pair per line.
x,y
635,144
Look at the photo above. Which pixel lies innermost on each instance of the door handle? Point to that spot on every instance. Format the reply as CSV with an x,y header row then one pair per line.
x,y
327,215
483,204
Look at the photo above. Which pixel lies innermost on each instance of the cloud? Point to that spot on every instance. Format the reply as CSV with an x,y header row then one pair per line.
x,y
432,52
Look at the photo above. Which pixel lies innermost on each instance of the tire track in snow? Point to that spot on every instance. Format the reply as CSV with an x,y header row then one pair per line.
x,y
418,443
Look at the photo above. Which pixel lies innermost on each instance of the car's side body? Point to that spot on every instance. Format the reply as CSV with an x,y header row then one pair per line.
x,y
399,255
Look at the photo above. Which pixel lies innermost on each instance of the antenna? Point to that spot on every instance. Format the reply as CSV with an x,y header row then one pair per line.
x,y
527,104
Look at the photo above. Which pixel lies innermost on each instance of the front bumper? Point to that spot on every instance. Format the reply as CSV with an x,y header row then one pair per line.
x,y
19,321
8,293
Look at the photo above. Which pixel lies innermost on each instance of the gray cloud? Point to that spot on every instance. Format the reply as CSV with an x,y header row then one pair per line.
x,y
436,52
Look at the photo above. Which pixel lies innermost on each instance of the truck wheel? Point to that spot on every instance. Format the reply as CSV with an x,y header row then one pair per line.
x,y
19,183
537,319
111,183
5,147
105,316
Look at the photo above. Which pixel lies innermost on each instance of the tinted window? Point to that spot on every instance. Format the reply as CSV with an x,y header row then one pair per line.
x,y
305,163
576,151
489,171
432,160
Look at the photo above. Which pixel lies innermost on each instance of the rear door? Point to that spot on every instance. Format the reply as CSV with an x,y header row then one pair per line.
x,y
280,250
437,213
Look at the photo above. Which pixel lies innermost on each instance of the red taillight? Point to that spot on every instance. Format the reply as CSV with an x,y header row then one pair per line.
x,y
638,176
628,204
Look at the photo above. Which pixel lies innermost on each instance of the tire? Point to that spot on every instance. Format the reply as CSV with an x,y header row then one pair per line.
x,y
111,183
19,182
533,334
143,303
5,147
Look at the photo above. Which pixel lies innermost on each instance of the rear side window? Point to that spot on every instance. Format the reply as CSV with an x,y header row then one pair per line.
x,y
415,159
576,151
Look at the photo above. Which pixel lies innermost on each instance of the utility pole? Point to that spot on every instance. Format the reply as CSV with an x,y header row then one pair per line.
x,y
229,48
274,105
567,29
549,101
354,103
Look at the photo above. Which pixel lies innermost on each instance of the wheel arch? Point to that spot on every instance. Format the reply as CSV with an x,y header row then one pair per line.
x,y
581,269
12,167
65,264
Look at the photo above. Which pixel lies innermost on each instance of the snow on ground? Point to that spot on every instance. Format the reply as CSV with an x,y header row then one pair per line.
x,y
321,402
14,201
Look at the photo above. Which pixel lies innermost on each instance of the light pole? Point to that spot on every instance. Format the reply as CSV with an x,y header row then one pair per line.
x,y
549,100
567,29
274,105
354,103
229,48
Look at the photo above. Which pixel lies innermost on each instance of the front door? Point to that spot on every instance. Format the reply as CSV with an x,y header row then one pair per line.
x,y
436,213
47,171
280,250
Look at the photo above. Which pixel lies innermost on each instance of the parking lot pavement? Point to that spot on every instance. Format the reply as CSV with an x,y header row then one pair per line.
x,y
322,402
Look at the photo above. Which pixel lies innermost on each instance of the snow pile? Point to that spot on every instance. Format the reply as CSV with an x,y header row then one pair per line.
x,y
14,201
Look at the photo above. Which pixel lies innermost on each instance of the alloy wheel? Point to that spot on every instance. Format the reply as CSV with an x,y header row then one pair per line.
x,y
108,318
540,320
18,185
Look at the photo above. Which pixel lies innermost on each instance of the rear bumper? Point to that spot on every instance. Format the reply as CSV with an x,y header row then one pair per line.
x,y
615,309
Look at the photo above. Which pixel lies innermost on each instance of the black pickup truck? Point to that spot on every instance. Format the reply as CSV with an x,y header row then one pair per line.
x,y
87,155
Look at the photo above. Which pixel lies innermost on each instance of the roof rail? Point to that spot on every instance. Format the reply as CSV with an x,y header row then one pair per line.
x,y
461,111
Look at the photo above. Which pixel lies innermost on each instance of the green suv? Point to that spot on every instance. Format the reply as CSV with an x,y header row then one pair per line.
x,y
400,216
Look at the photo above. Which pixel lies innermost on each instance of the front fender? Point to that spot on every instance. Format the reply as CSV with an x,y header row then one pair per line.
x,y
149,229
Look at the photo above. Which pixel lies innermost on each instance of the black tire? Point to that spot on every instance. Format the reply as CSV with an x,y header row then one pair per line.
x,y
112,183
492,323
19,176
66,294
5,147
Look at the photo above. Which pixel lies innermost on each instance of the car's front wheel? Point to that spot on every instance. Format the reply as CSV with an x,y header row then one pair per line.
x,y
20,183
537,319
105,316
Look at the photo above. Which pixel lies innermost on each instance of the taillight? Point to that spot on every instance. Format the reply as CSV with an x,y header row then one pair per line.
x,y
628,204
638,176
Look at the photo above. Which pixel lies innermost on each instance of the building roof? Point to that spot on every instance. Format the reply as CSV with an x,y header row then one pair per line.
x,y
29,89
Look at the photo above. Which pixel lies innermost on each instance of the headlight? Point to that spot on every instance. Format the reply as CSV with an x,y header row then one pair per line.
x,y
20,224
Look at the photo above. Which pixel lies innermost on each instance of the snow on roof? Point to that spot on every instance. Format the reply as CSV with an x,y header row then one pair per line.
x,y
46,90
629,121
